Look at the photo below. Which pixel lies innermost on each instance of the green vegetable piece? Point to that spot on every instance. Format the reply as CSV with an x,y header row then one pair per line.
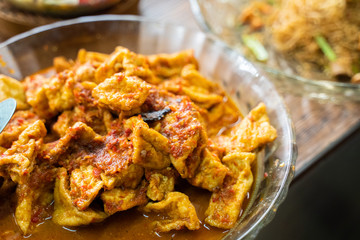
x,y
256,47
325,48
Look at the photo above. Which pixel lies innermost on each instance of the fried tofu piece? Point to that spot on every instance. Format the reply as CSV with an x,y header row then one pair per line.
x,y
183,126
201,91
115,157
64,121
36,97
23,211
86,64
151,149
121,199
130,64
191,74
85,185
65,213
221,116
18,123
85,72
186,134
93,58
128,178
179,212
85,110
12,88
121,93
200,97
211,172
214,114
59,92
161,182
253,131
225,203
50,96
73,148
171,65
238,161
19,160
83,94
62,64
34,198
111,155
98,119
113,64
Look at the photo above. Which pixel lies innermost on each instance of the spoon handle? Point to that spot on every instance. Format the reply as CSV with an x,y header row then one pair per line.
x,y
7,109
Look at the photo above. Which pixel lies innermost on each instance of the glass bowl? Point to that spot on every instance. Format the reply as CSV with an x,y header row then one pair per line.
x,y
29,52
220,18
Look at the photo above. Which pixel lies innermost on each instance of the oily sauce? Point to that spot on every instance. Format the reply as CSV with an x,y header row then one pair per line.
x,y
130,224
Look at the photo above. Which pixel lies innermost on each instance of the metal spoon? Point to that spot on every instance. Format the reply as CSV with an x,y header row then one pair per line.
x,y
7,109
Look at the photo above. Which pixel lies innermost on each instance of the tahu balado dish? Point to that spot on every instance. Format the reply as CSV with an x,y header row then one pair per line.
x,y
122,134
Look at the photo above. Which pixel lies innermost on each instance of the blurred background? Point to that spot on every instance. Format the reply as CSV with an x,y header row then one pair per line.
x,y
14,20
322,203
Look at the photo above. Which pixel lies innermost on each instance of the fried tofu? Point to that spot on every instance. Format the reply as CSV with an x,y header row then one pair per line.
x,y
65,213
12,88
121,199
19,160
121,93
225,203
211,172
161,182
179,210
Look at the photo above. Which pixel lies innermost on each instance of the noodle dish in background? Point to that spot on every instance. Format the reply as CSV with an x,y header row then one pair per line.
x,y
307,46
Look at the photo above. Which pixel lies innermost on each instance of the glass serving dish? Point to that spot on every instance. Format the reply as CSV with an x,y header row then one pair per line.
x,y
29,52
220,18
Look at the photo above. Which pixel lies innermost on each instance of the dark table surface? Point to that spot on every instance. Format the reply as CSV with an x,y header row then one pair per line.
x,y
324,202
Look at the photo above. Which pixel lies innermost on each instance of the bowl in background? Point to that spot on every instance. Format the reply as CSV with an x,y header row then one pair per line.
x,y
34,50
220,18
66,8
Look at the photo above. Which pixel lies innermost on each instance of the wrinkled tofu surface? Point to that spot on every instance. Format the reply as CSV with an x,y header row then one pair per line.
x,y
161,182
178,208
109,134
225,203
85,186
65,213
34,198
121,93
19,160
253,131
121,199
19,121
211,172
12,88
